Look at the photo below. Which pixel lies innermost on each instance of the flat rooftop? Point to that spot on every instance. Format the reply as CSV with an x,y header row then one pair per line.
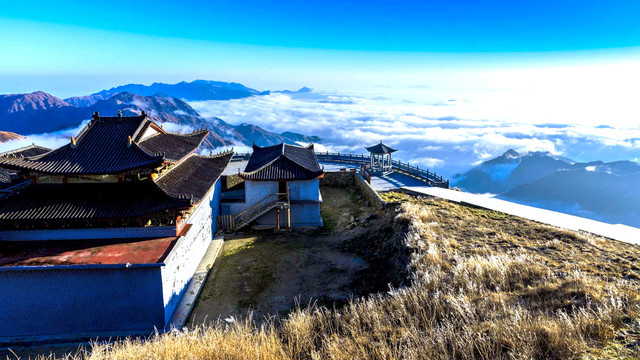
x,y
85,252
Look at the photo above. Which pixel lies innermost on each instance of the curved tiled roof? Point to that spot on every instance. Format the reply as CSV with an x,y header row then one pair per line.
x,y
101,201
380,149
282,162
27,151
102,148
174,147
195,176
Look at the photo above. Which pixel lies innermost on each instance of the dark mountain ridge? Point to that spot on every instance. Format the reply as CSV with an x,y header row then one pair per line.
x,y
508,170
597,190
196,90
40,112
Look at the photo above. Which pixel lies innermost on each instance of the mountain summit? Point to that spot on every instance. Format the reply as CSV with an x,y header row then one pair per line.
x,y
508,170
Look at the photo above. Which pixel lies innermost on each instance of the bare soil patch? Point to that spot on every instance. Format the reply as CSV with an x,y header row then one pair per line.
x,y
265,274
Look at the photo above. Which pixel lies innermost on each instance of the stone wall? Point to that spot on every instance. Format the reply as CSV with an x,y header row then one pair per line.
x,y
368,192
338,179
183,260
79,301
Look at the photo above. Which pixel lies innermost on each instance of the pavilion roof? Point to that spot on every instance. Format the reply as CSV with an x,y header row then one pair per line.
x,y
110,145
282,162
380,149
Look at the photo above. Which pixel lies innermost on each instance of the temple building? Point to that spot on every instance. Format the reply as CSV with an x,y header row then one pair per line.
x,y
103,235
279,188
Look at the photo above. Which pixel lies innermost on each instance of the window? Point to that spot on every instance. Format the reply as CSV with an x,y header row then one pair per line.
x,y
50,179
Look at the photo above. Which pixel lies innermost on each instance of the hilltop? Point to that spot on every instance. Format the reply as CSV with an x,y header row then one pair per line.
x,y
478,284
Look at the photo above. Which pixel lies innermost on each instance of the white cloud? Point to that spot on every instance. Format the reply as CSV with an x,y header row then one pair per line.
x,y
49,140
448,138
179,128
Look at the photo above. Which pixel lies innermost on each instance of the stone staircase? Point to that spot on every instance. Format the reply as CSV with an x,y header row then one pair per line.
x,y
272,201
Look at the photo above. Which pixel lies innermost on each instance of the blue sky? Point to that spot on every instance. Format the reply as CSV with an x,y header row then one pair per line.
x,y
84,46
431,26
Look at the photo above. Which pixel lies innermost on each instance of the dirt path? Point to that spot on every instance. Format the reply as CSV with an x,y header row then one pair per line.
x,y
268,273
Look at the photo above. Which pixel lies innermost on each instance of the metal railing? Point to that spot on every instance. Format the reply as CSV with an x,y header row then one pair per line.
x,y
431,177
425,174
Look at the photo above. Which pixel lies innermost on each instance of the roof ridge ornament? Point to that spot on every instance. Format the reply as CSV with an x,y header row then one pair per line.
x,y
73,142
119,113
129,141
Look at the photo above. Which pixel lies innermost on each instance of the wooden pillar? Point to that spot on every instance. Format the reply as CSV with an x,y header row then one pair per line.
x,y
289,217
288,209
277,219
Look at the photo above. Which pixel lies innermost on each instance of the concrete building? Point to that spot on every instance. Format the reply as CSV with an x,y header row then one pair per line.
x,y
280,188
102,236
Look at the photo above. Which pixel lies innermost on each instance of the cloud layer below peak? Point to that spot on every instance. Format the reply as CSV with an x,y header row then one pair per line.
x,y
446,132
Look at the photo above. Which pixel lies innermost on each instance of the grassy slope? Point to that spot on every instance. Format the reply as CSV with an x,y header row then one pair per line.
x,y
484,285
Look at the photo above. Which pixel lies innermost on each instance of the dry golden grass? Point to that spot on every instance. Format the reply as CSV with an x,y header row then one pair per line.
x,y
484,286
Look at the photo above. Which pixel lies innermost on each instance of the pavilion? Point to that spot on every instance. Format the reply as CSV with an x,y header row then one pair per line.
x,y
381,163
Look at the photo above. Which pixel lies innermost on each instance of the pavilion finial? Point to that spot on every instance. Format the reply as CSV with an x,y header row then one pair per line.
x,y
119,113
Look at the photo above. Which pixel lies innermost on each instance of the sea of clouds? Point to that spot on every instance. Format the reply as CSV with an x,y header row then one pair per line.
x,y
447,132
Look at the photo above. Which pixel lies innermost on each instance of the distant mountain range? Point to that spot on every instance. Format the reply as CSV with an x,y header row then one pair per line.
x,y
190,91
601,191
40,112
